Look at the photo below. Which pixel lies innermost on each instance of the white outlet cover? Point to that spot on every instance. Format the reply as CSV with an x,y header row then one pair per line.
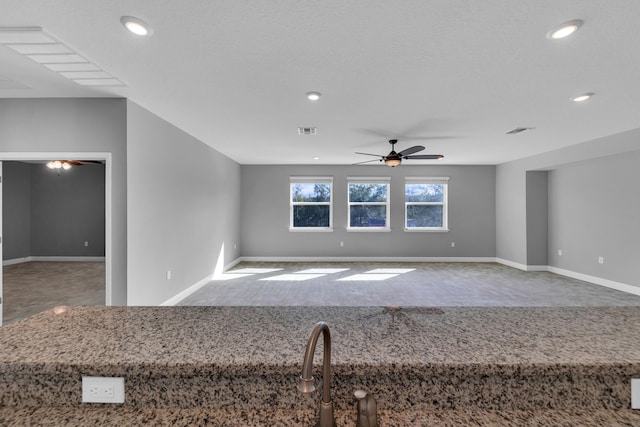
x,y
103,389
635,393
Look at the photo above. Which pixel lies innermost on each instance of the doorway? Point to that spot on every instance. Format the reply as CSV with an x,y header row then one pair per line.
x,y
105,158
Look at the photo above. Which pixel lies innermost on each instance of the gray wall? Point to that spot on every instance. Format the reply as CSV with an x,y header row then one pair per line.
x,y
594,210
77,125
16,210
537,217
265,214
511,207
67,209
183,204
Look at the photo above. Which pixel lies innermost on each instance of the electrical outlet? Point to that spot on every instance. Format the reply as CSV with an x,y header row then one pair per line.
x,y
86,243
600,260
103,389
341,244
168,274
635,393
559,252
453,244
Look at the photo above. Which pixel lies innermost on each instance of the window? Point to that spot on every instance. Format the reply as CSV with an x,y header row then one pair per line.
x,y
311,204
426,204
368,204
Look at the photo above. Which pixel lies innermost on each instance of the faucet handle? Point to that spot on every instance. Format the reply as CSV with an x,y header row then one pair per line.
x,y
367,409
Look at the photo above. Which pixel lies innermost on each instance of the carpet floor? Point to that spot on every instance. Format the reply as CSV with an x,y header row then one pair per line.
x,y
33,287
400,284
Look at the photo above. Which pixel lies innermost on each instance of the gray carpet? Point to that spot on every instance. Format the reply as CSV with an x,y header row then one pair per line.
x,y
32,287
401,284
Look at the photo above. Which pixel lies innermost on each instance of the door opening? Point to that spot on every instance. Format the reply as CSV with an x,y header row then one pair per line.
x,y
35,157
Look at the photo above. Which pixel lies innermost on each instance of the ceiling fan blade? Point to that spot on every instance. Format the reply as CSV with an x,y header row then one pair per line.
x,y
369,154
83,162
411,150
426,157
366,161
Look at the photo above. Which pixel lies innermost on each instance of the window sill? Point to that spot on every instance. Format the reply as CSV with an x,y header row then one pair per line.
x,y
368,230
310,229
426,230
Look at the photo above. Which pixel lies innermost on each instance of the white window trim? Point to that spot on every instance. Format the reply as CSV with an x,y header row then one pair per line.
x,y
370,180
311,180
445,204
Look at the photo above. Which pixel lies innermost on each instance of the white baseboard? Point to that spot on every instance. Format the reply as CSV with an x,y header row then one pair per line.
x,y
596,280
16,261
232,264
512,264
367,259
631,289
53,258
68,258
191,289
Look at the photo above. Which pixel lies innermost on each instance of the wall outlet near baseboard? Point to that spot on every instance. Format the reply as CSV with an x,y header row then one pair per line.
x,y
86,243
635,393
559,252
600,260
453,244
103,389
168,274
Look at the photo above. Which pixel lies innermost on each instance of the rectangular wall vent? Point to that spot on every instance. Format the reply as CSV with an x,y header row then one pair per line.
x,y
307,131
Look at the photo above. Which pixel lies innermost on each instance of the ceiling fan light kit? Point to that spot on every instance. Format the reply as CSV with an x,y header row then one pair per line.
x,y
59,164
67,164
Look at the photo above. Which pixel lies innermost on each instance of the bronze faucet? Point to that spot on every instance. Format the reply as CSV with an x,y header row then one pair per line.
x,y
306,380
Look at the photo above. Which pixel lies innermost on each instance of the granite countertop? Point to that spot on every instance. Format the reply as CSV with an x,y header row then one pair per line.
x,y
64,416
243,336
239,365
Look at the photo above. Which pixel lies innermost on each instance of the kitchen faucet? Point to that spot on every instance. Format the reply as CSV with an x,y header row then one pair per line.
x,y
306,380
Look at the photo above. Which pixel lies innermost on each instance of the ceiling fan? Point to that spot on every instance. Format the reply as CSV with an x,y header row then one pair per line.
x,y
394,159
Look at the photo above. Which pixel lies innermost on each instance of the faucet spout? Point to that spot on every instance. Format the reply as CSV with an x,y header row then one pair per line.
x,y
306,380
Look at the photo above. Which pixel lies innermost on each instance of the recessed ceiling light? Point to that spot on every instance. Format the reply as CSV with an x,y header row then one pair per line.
x,y
313,96
565,30
582,98
136,26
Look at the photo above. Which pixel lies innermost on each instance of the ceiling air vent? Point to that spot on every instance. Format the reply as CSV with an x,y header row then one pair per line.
x,y
307,131
518,130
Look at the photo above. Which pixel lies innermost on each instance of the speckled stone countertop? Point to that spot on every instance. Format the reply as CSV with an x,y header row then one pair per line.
x,y
416,361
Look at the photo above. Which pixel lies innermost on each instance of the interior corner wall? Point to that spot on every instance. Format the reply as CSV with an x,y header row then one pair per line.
x,y
184,204
594,211
77,125
265,214
537,217
511,213
16,210
67,210
511,202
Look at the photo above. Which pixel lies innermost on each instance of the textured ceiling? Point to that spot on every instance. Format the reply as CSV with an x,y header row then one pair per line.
x,y
452,75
